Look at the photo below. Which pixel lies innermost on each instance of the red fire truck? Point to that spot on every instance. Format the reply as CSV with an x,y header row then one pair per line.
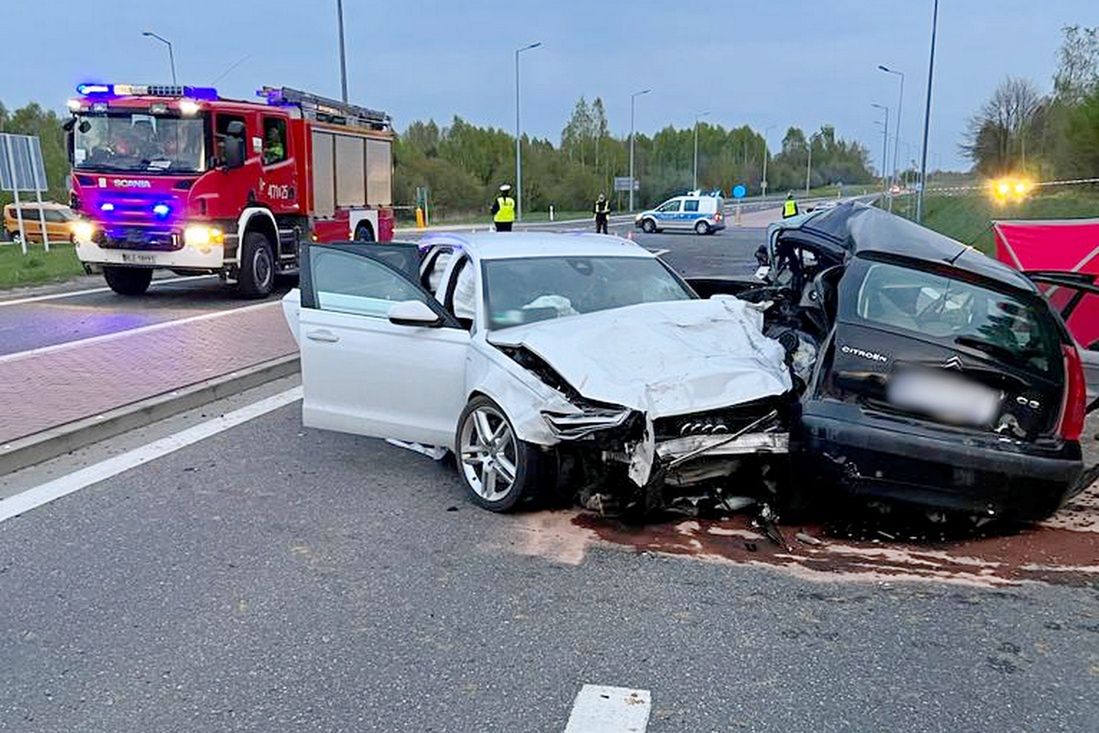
x,y
176,177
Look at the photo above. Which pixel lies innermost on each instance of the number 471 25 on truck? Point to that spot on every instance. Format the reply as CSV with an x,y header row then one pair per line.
x,y
176,177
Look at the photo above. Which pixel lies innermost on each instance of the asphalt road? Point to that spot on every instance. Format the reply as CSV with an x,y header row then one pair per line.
x,y
272,578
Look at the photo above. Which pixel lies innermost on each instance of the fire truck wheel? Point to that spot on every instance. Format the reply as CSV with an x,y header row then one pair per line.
x,y
128,280
363,233
257,267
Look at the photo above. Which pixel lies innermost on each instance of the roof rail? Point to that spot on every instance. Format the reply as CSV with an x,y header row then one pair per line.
x,y
324,109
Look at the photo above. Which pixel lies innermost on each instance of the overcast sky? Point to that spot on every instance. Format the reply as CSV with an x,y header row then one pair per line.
x,y
761,62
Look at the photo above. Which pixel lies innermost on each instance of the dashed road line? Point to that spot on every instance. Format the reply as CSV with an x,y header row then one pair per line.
x,y
70,483
600,709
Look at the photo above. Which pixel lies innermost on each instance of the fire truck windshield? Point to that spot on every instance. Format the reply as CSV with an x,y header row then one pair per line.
x,y
139,142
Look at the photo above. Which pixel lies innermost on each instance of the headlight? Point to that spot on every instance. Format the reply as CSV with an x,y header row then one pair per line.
x,y
582,424
203,237
83,232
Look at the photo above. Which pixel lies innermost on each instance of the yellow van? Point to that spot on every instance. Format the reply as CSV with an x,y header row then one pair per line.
x,y
59,222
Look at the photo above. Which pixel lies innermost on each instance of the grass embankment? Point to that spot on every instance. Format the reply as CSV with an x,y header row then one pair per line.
x,y
969,218
37,266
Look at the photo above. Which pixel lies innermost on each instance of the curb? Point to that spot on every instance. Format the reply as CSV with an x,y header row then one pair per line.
x,y
42,446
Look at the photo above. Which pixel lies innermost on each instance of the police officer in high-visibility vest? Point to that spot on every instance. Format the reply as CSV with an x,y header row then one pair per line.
x,y
602,214
789,206
503,210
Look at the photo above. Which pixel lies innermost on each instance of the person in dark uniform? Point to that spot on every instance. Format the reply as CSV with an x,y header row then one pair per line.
x,y
602,214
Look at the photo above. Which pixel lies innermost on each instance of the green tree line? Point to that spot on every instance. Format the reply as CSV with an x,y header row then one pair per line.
x,y
33,120
462,165
1050,135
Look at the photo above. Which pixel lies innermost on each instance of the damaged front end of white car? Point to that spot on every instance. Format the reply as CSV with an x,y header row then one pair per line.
x,y
658,406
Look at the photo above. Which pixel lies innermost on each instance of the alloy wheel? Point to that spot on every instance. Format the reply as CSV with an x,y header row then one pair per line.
x,y
488,453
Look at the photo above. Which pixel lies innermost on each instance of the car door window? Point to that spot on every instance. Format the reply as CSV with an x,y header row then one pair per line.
x,y
345,283
690,206
364,279
669,207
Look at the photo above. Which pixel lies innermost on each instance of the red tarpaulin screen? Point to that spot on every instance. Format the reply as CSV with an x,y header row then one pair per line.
x,y
1065,245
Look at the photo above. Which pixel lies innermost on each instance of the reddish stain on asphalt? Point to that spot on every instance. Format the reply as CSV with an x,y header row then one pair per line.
x,y
1064,550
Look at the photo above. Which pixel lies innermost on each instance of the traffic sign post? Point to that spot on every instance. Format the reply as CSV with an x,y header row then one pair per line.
x,y
739,192
22,169
622,183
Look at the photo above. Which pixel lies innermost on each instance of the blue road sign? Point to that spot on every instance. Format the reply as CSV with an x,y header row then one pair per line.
x,y
739,191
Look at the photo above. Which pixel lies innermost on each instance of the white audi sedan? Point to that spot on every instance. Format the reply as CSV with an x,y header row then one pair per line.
x,y
552,365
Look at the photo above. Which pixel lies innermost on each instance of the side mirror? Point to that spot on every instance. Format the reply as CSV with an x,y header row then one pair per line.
x,y
414,313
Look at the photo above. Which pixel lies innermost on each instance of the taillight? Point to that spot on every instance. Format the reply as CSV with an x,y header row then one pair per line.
x,y
1075,407
718,216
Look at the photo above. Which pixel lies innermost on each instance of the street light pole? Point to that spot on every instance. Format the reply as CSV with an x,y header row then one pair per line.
x,y
633,97
896,125
927,113
884,146
699,116
343,56
763,181
809,167
171,55
519,138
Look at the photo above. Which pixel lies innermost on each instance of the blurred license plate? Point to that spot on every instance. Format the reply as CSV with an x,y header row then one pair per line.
x,y
138,259
945,397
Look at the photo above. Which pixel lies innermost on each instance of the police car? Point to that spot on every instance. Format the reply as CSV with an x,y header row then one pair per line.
x,y
703,214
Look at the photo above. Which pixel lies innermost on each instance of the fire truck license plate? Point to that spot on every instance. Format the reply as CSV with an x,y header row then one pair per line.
x,y
138,259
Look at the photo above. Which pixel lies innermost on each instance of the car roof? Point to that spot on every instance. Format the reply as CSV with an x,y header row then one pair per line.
x,y
501,245
862,228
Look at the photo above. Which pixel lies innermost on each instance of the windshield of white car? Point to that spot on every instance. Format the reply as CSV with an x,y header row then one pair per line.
x,y
525,290
139,142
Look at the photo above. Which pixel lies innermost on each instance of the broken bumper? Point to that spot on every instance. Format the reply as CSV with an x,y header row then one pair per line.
x,y
912,465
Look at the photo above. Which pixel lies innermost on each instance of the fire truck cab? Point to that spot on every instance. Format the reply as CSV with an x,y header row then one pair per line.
x,y
176,177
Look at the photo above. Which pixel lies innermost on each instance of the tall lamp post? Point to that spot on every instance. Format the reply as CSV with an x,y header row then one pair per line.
x,y
171,56
763,181
927,113
809,167
633,98
698,117
884,145
896,125
343,56
519,138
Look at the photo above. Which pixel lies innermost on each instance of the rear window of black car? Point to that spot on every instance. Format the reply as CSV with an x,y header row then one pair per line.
x,y
1012,330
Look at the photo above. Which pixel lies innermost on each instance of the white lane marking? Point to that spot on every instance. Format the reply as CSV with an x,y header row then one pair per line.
x,y
92,291
65,485
131,331
600,709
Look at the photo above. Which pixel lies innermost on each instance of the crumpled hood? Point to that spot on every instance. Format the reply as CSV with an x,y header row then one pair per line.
x,y
661,358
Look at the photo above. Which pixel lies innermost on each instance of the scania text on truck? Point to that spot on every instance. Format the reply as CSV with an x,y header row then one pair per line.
x,y
176,177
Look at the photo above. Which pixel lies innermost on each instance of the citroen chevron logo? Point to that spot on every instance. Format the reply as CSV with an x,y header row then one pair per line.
x,y
953,363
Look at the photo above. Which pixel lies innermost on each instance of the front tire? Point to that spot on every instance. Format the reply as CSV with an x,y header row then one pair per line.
x,y
128,280
257,267
16,238
702,228
648,226
498,470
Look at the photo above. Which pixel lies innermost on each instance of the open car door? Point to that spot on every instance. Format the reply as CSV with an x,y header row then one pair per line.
x,y
1075,295
380,355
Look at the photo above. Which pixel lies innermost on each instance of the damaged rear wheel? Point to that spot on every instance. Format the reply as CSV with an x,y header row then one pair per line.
x,y
499,470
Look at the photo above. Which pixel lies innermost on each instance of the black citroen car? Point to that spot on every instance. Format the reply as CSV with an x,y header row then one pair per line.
x,y
930,374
